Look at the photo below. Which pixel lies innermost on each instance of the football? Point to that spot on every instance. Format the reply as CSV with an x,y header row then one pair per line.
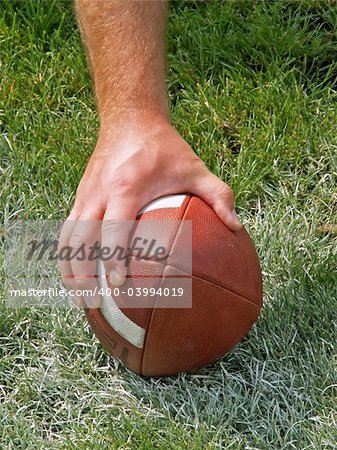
x,y
156,339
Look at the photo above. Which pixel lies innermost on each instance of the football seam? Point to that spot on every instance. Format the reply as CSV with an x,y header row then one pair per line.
x,y
214,284
206,278
257,303
242,299
154,308
154,303
102,332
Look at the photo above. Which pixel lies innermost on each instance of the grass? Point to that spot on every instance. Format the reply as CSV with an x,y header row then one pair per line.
x,y
253,89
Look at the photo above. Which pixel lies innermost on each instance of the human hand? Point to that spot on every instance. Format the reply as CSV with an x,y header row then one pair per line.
x,y
138,157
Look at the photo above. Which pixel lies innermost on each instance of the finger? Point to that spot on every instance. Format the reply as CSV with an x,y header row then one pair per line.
x,y
117,225
218,195
64,260
85,244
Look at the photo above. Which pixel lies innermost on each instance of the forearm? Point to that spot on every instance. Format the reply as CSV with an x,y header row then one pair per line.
x,y
125,42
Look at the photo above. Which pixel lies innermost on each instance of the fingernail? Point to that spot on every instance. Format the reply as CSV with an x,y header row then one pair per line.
x,y
236,218
78,301
92,302
116,278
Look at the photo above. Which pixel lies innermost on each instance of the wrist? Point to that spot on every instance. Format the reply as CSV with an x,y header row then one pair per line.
x,y
120,118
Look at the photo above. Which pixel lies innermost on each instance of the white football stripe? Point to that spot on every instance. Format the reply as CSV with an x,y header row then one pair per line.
x,y
130,331
170,201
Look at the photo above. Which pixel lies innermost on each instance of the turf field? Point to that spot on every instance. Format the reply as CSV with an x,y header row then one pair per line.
x,y
253,88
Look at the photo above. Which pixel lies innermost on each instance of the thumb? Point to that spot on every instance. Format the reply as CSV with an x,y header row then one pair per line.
x,y
218,195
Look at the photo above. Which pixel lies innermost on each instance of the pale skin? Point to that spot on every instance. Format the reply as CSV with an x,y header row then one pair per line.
x,y
138,156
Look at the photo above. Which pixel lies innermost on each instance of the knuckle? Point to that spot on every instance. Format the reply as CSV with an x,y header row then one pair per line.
x,y
223,191
76,240
79,197
68,282
66,231
111,226
80,235
122,183
195,167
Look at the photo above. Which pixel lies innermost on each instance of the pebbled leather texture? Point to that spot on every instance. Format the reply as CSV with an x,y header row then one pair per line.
x,y
227,297
183,340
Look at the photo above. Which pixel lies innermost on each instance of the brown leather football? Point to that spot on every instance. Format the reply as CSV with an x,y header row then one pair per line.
x,y
226,295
